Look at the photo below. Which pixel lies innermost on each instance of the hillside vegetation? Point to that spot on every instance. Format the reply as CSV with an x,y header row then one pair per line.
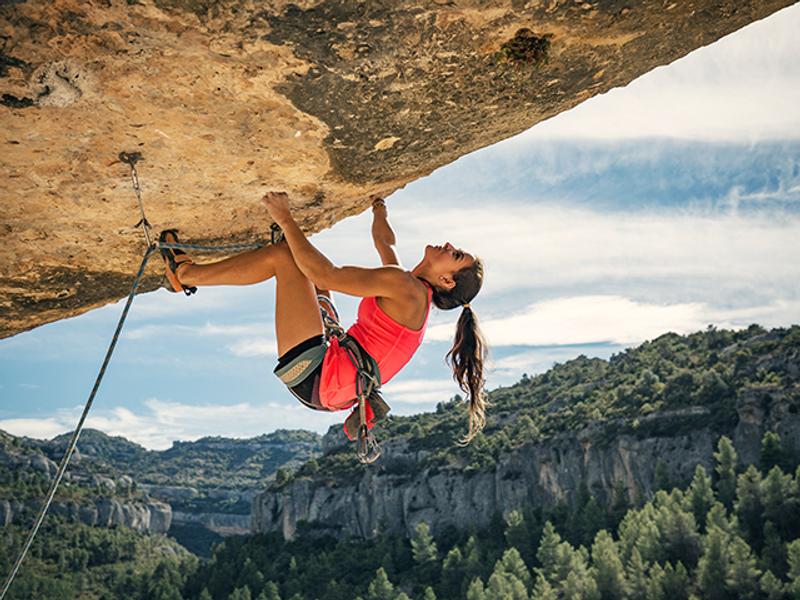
x,y
729,535
690,382
208,465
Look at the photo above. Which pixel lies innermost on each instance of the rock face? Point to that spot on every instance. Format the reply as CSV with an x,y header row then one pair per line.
x,y
330,100
146,517
396,496
102,507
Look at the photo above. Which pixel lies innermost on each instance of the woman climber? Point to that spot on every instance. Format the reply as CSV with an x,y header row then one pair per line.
x,y
392,317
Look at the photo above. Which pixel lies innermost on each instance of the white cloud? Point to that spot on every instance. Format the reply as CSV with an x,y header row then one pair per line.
x,y
743,87
162,422
556,248
165,331
537,360
426,392
509,369
616,320
254,347
35,428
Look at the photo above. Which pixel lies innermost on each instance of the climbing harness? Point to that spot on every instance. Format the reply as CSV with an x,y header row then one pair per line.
x,y
367,451
368,384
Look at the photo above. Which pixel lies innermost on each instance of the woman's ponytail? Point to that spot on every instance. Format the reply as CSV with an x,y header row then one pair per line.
x,y
469,350
467,357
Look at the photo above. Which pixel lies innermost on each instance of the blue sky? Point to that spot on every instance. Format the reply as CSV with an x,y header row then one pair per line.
x,y
667,205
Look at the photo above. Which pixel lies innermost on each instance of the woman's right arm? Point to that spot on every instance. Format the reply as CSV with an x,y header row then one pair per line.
x,y
389,281
382,234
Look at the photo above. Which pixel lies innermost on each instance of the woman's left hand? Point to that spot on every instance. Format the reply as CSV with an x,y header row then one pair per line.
x,y
277,204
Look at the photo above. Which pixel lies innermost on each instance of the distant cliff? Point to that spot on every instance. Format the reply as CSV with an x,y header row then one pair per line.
x,y
592,421
208,483
85,497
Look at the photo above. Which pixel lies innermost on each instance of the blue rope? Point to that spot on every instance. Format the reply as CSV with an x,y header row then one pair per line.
x,y
232,249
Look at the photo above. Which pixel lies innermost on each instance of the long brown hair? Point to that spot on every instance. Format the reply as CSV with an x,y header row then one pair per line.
x,y
469,350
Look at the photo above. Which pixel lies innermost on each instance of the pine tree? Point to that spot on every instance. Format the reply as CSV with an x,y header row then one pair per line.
x,y
429,594
453,573
793,558
473,563
242,593
422,544
542,590
742,576
503,586
636,575
776,496
512,564
380,588
620,504
649,542
725,469
713,565
773,554
547,552
678,529
772,452
609,574
749,507
580,584
700,496
205,595
476,591
271,591
655,583
518,534
250,576
676,582
771,587
718,517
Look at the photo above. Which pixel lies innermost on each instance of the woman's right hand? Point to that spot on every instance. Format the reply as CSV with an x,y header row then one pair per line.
x,y
378,205
277,204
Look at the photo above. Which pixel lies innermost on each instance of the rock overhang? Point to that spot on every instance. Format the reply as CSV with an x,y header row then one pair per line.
x,y
329,100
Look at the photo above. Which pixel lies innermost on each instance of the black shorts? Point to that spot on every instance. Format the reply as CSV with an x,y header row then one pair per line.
x,y
300,368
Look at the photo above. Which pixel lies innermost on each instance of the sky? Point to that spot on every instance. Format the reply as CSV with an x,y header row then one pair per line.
x,y
669,205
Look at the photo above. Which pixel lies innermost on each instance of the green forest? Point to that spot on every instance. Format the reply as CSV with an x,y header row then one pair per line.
x,y
730,534
730,531
642,391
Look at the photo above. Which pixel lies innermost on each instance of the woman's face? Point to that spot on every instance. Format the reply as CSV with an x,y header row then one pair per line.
x,y
446,259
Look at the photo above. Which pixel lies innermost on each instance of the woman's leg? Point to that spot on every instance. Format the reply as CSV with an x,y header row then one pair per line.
x,y
246,268
297,316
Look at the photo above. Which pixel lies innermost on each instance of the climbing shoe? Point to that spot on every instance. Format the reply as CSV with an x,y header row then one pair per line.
x,y
173,258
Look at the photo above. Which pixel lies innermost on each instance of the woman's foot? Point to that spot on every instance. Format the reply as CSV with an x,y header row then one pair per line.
x,y
174,259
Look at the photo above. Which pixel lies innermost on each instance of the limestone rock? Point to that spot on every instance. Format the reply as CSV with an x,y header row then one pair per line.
x,y
43,464
170,493
396,494
330,100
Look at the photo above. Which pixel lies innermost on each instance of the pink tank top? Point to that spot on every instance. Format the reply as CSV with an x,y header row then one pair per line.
x,y
391,344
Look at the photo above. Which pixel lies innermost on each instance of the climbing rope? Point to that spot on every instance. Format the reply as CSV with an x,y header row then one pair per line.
x,y
152,247
371,450
74,440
